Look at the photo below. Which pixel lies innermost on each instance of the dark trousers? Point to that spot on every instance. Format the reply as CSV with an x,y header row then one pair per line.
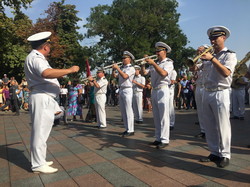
x,y
15,105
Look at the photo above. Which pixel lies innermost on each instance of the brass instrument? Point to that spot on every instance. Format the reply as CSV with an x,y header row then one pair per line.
x,y
241,68
140,61
240,71
191,62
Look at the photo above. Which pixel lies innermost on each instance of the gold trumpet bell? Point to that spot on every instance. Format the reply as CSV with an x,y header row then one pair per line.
x,y
190,63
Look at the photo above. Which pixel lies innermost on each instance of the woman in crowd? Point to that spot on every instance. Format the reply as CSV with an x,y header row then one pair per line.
x,y
75,108
148,89
26,93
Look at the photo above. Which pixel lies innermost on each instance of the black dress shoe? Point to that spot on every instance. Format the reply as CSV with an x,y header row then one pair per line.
x,y
155,143
162,145
122,133
223,162
128,134
210,158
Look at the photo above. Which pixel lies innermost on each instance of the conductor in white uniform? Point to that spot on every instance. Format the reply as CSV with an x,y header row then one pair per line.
x,y
159,72
216,97
42,81
126,74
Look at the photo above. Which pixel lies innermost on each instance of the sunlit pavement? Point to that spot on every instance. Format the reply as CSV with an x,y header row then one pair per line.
x,y
88,156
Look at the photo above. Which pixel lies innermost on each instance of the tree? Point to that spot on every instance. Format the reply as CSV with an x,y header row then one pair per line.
x,y
62,20
13,48
14,4
136,25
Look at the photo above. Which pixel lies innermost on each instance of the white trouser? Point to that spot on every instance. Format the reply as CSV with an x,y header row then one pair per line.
x,y
125,101
160,104
217,123
238,97
198,99
42,109
137,106
100,100
171,106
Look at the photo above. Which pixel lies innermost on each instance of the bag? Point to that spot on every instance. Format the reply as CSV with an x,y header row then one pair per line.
x,y
80,99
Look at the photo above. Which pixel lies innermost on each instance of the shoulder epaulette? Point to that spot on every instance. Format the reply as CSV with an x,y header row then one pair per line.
x,y
230,51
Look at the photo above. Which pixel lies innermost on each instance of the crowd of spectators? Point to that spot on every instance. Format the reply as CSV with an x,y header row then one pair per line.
x,y
13,95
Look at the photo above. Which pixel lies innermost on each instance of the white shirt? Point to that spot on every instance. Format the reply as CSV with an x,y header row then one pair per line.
x,y
140,79
103,83
130,71
214,79
34,66
64,91
172,77
156,79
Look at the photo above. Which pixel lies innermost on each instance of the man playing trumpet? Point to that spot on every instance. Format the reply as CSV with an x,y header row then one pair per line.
x,y
216,97
159,72
126,74
100,91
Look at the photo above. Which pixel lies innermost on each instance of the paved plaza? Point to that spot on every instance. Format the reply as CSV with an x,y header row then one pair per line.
x,y
88,156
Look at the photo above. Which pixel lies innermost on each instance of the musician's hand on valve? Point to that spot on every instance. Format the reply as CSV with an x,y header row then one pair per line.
x,y
207,56
115,66
150,61
90,78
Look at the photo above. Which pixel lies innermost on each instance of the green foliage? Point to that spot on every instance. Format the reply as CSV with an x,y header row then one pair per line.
x,y
136,25
14,4
13,48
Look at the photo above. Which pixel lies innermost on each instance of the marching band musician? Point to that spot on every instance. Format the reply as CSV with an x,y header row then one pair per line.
x,y
216,97
172,77
126,74
138,85
159,72
44,86
100,90
200,72
238,95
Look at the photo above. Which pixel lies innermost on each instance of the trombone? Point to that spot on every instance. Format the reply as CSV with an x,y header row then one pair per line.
x,y
192,62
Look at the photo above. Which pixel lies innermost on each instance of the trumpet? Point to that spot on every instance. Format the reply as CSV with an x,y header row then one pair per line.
x,y
139,62
142,61
192,62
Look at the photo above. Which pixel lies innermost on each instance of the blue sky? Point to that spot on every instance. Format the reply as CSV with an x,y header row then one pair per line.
x,y
196,17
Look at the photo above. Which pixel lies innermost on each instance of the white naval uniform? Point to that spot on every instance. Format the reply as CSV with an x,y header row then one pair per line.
x,y
137,97
216,101
199,94
172,77
125,97
42,105
160,100
100,100
238,99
